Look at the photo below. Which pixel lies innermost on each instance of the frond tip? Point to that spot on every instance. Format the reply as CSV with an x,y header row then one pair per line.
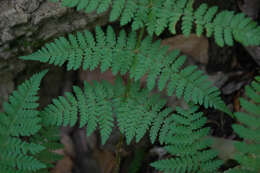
x,y
184,135
20,119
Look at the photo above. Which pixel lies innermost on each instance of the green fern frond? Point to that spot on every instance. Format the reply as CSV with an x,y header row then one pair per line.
x,y
184,135
248,155
139,112
20,119
92,104
98,104
122,56
224,26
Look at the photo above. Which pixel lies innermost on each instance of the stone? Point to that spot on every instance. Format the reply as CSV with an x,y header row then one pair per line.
x,y
6,36
252,9
5,89
27,6
254,51
38,21
47,10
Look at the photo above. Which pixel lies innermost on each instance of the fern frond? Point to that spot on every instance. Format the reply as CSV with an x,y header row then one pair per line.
x,y
97,105
224,26
20,113
122,56
185,139
20,119
139,112
227,26
92,104
248,155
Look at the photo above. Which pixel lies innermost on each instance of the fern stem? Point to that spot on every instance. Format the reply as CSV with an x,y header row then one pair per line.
x,y
138,44
140,38
128,86
127,90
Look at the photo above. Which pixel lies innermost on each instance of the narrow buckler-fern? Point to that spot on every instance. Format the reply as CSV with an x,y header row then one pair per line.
x,y
29,135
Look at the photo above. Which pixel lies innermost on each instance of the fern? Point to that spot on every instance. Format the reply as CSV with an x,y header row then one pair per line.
x,y
98,105
122,56
21,119
248,155
102,103
28,137
156,15
184,135
137,114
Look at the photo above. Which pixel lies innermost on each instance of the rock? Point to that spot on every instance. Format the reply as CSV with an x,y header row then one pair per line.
x,y
12,17
158,151
29,23
252,8
47,10
218,78
8,70
6,36
235,81
27,6
232,87
254,51
5,89
25,25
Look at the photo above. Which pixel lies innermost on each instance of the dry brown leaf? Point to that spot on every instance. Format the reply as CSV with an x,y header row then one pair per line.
x,y
106,160
68,145
196,47
66,164
63,166
237,102
89,76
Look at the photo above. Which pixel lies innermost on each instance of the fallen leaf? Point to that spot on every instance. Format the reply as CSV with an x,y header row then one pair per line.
x,y
96,75
64,166
196,47
106,160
